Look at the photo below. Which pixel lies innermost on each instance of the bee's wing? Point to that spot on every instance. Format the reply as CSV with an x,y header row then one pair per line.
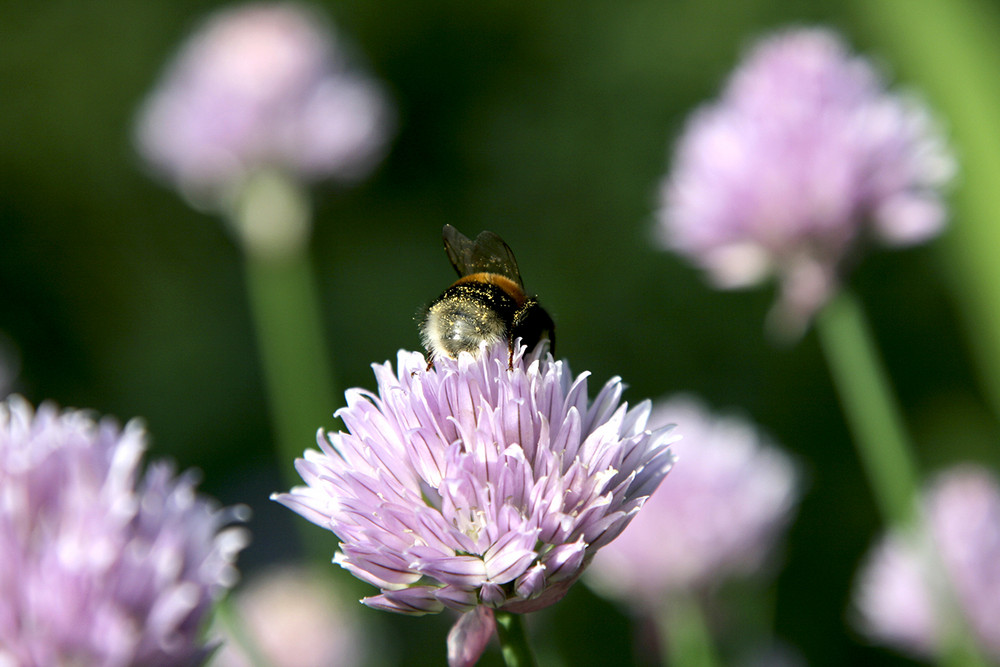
x,y
487,254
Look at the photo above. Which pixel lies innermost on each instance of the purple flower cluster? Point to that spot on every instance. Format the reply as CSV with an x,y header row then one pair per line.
x,y
97,565
476,486
729,498
804,155
901,593
262,86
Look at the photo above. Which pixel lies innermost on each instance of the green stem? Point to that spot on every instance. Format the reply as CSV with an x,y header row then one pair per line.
x,y
271,217
513,640
870,408
685,634
885,452
283,298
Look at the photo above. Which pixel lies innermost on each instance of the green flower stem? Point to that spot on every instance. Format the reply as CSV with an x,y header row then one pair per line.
x,y
283,298
884,449
870,408
513,640
684,633
271,219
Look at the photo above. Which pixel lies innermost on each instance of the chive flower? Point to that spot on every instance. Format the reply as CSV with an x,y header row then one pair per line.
x,y
730,497
803,159
908,591
99,563
480,484
262,86
291,616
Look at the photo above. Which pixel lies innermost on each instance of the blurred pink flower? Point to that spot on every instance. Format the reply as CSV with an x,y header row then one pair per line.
x,y
99,563
262,86
804,156
720,513
295,618
898,589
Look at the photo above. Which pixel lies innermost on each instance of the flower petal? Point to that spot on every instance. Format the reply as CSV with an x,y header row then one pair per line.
x,y
415,600
468,637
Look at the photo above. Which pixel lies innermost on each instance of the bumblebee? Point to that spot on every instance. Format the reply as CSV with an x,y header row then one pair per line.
x,y
486,303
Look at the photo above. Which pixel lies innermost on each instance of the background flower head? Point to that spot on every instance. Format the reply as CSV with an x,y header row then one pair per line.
x,y
262,86
720,514
899,589
294,617
102,565
476,487
803,155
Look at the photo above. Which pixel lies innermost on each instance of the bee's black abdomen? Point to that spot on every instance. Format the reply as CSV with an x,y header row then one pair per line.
x,y
532,324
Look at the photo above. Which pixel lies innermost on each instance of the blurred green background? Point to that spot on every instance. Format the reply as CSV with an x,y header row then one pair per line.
x,y
548,123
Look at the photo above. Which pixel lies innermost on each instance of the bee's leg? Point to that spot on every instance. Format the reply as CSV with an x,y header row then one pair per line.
x,y
510,354
430,364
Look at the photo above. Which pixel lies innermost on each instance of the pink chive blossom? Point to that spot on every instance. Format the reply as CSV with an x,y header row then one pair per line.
x,y
804,156
898,592
476,487
730,497
263,86
293,617
103,565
